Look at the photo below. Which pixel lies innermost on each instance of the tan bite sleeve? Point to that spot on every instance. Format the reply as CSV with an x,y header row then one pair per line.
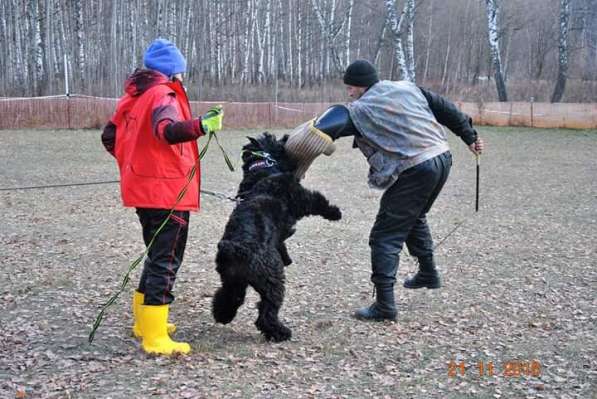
x,y
306,143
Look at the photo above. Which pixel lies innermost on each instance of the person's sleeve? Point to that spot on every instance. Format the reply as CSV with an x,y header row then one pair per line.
x,y
450,116
168,124
109,137
349,130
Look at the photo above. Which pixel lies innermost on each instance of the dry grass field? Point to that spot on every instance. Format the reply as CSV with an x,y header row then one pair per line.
x,y
519,297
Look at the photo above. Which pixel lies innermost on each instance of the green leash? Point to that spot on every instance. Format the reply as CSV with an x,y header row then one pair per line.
x,y
133,266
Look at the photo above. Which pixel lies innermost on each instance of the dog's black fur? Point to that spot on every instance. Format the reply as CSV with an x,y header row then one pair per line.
x,y
252,250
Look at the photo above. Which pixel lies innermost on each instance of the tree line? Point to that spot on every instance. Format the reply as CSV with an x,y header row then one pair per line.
x,y
290,49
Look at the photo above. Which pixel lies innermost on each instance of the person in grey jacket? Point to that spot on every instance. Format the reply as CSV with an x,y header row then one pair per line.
x,y
398,127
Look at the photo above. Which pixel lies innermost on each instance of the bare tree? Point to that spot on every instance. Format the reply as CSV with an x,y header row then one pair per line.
x,y
410,41
395,22
348,25
558,91
262,41
255,45
380,40
494,45
330,30
248,40
299,50
428,44
79,42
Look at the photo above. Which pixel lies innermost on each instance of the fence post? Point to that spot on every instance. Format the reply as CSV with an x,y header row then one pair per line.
x,y
66,92
532,101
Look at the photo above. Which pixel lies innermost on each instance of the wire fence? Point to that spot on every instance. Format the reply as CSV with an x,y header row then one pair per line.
x,y
87,112
533,114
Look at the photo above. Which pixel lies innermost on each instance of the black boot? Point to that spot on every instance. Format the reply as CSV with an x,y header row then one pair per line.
x,y
384,307
427,275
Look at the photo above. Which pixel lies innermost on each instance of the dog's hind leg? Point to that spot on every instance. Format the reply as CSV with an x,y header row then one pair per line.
x,y
268,281
230,263
228,298
268,322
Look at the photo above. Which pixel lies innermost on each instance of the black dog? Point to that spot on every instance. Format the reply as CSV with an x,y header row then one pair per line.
x,y
252,250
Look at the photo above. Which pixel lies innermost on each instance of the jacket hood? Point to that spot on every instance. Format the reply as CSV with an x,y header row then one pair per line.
x,y
143,79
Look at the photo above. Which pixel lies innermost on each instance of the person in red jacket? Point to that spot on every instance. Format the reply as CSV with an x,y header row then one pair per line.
x,y
153,137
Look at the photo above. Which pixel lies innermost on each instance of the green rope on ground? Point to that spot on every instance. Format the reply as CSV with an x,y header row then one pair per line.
x,y
133,266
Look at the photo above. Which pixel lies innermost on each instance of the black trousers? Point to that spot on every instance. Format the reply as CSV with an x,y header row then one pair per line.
x,y
402,217
165,255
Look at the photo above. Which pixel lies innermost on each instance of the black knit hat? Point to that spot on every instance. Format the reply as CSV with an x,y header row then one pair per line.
x,y
361,73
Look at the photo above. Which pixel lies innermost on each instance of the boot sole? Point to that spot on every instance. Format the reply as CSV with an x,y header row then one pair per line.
x,y
363,318
431,287
423,286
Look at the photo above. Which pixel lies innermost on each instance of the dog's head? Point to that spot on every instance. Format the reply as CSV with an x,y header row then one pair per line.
x,y
266,152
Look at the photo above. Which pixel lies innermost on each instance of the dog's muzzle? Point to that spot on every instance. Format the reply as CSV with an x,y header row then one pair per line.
x,y
262,164
265,161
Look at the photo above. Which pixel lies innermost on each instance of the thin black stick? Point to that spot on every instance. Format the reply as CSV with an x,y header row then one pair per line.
x,y
477,190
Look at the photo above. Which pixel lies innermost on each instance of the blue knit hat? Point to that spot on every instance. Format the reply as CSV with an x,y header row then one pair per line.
x,y
163,56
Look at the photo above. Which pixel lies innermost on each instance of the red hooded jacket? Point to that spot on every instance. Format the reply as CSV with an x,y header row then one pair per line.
x,y
153,137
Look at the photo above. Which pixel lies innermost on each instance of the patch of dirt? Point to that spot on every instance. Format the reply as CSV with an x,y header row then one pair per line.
x,y
519,282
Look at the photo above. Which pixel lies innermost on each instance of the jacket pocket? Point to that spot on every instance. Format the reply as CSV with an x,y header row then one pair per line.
x,y
163,170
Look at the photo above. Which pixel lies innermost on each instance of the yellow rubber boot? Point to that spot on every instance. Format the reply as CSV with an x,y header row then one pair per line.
x,y
155,336
138,299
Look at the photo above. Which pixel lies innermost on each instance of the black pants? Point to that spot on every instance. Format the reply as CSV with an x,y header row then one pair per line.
x,y
165,255
402,217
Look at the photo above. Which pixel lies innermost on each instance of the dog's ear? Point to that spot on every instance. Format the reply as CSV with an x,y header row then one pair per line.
x,y
268,137
254,142
284,139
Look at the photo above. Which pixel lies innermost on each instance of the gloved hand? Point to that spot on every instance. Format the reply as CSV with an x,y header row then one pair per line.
x,y
211,121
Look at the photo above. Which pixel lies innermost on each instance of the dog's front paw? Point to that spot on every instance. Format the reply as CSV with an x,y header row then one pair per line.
x,y
333,213
279,334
